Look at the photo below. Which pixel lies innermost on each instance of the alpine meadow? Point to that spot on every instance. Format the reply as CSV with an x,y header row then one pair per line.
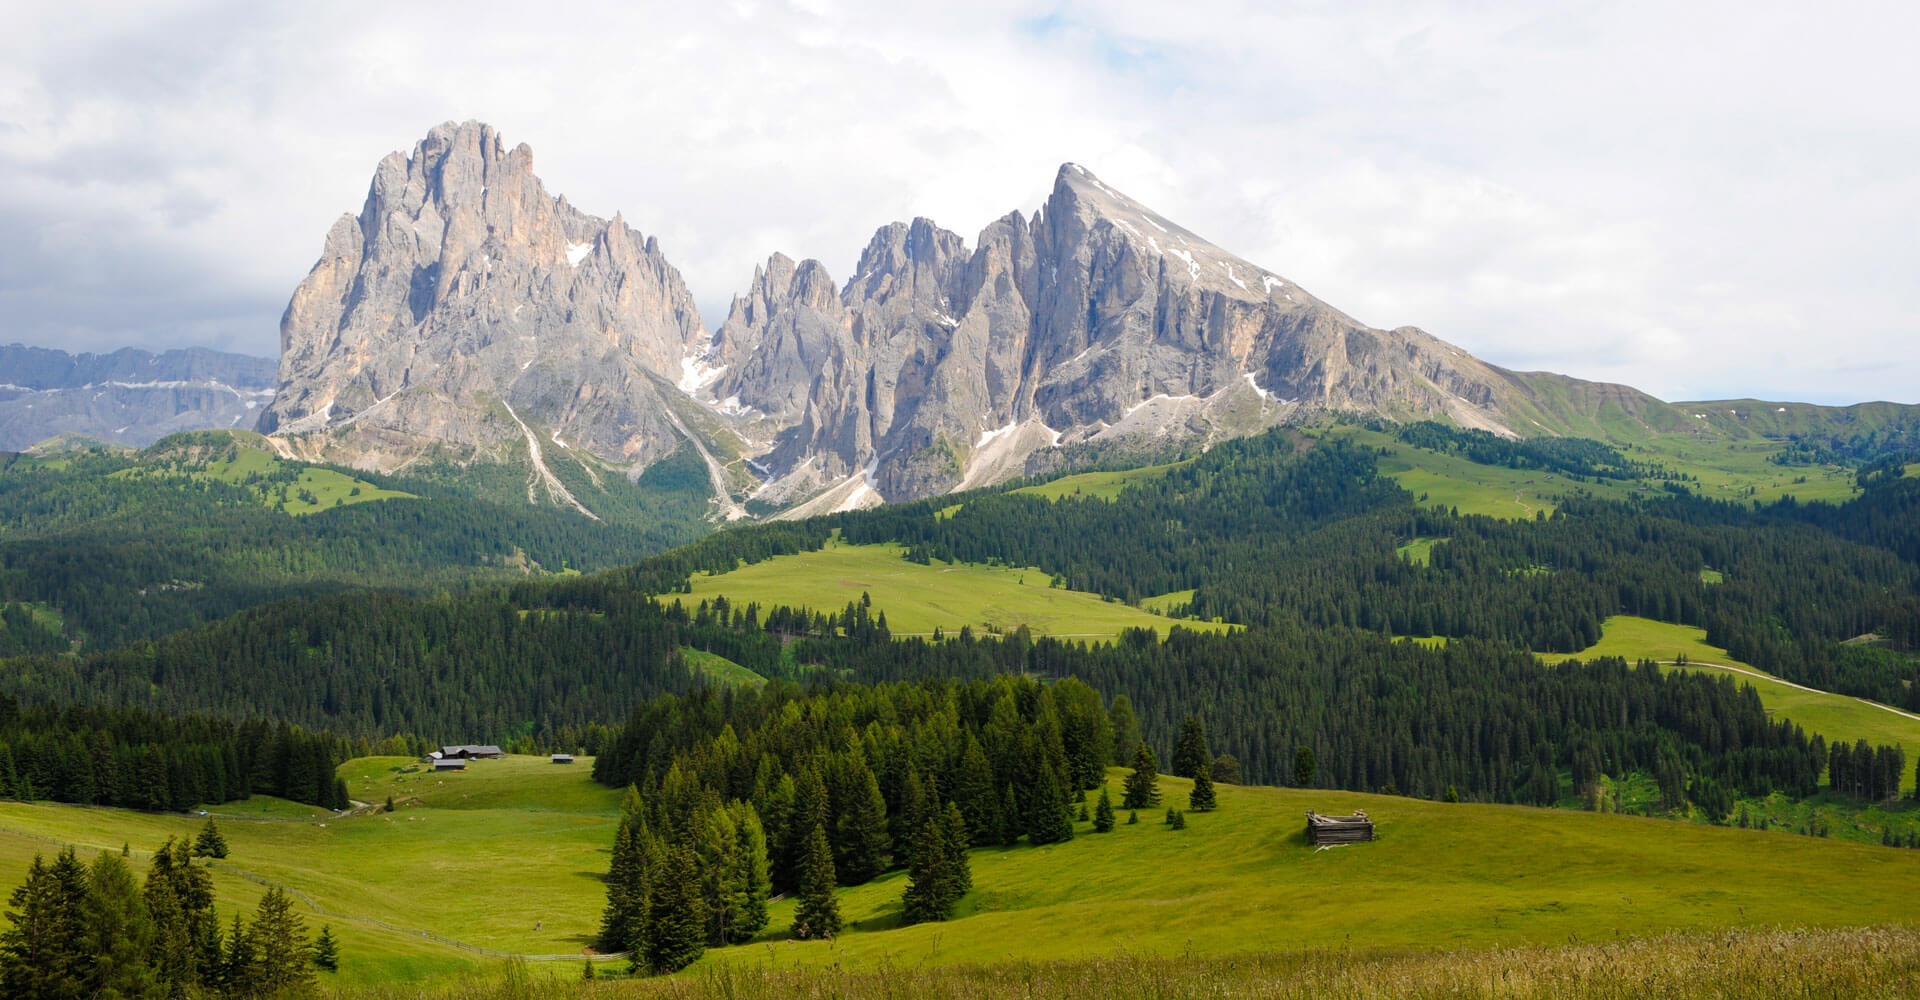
x,y
1077,608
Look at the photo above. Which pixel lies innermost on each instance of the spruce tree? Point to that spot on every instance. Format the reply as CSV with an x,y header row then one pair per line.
x,y
42,954
209,844
954,831
1143,785
120,931
1048,821
1176,819
1201,799
1126,727
973,791
1010,825
1103,813
1191,753
281,952
326,951
863,841
818,915
929,895
1304,765
239,964
676,914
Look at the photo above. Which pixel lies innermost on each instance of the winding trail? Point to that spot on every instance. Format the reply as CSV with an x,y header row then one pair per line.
x,y
1757,675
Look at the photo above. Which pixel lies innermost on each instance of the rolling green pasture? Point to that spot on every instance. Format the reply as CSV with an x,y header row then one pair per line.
x,y
918,599
1105,485
1440,876
1836,717
312,490
720,669
508,856
1724,470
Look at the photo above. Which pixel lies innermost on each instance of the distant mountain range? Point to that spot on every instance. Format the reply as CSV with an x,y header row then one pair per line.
x,y
129,397
465,314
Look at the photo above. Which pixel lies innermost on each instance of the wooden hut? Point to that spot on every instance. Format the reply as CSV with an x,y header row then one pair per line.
x,y
450,764
1352,829
563,758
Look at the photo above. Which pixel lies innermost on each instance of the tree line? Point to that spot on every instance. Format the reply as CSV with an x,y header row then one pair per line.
x,y
137,759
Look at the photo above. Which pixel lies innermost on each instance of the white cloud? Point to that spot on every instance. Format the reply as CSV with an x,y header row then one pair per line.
x,y
1717,201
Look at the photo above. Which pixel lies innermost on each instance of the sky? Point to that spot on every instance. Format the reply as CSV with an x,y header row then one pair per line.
x,y
1703,200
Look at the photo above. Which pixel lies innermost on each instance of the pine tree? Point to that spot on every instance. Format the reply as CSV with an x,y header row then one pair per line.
x,y
1304,765
973,790
41,954
1010,825
863,841
1103,813
120,931
929,895
1191,753
1143,785
282,954
954,831
1126,726
326,951
209,844
818,915
239,964
1048,821
1201,799
1133,818
676,934
628,879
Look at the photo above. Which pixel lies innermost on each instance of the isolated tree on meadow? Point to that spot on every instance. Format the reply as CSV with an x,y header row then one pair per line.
x,y
1142,789
209,843
1201,799
326,951
818,915
1103,813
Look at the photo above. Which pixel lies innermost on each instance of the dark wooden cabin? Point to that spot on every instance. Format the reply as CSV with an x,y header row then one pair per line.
x,y
1353,829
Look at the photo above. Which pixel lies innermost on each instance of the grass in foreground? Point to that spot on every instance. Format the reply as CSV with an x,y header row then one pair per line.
x,y
1834,716
918,599
1730,965
509,856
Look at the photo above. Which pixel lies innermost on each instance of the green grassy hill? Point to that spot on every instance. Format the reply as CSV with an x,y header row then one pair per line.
x,y
1836,717
920,598
507,857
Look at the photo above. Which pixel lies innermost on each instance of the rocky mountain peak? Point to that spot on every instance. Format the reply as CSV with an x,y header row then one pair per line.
x,y
466,308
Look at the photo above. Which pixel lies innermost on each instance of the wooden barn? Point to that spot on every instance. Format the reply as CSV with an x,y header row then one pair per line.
x,y
473,752
563,758
1353,829
450,764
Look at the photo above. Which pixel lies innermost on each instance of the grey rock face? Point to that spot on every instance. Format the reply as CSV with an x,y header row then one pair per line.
x,y
129,397
937,367
466,308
